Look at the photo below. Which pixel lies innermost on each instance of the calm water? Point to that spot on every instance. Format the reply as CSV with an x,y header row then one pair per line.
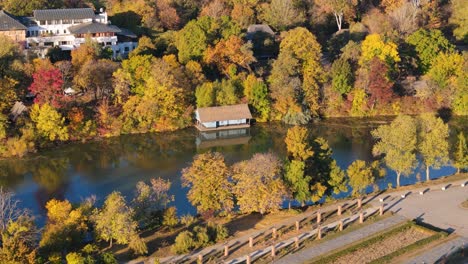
x,y
77,170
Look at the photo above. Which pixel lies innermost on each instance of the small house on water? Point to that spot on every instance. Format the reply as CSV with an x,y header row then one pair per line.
x,y
223,117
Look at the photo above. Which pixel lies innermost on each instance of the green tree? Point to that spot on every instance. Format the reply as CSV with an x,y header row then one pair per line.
x,y
210,188
206,94
458,18
132,76
297,143
460,156
258,184
432,141
114,221
49,123
75,258
428,44
184,242
338,180
297,181
256,91
227,92
397,141
342,76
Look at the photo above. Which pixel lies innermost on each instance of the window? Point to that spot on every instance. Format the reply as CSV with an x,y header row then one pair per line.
x,y
66,21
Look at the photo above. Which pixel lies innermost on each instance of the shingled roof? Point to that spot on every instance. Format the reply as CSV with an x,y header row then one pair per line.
x,y
93,27
221,113
70,13
7,22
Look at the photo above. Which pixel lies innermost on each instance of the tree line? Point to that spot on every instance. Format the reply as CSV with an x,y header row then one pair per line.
x,y
261,184
397,57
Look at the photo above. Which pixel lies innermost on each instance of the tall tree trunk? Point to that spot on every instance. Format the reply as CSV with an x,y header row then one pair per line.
x,y
398,179
339,19
110,246
427,173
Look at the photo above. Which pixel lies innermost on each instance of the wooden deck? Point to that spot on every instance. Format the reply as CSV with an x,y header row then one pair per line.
x,y
204,129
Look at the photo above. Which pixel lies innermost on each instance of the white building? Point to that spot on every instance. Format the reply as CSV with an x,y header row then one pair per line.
x,y
68,28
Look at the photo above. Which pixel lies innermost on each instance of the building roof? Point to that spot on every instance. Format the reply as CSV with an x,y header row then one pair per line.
x,y
70,13
252,29
8,22
222,113
93,27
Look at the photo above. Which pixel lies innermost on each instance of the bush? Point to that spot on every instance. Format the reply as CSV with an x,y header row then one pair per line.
x,y
188,220
138,245
202,237
75,258
183,243
170,217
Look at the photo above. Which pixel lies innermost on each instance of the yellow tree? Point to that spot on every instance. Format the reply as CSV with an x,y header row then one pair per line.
x,y
297,143
258,184
210,189
304,47
374,46
432,141
49,123
360,176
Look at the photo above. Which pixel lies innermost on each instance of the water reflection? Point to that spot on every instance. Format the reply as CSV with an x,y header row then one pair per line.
x,y
77,170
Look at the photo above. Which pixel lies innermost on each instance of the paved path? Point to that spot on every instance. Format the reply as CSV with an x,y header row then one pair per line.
x,y
436,207
341,241
438,253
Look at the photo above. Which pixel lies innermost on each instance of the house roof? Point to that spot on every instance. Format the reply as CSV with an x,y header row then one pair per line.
x,y
252,29
221,113
93,27
70,13
7,22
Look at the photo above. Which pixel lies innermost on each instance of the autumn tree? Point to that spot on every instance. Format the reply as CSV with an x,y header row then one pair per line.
x,y
243,12
374,46
362,175
391,5
298,183
65,227
342,76
380,85
446,69
305,51
151,198
339,8
86,52
256,92
114,221
460,156
197,35
338,180
432,142
258,184
167,15
95,76
19,241
8,94
47,87
232,51
297,143
206,94
458,18
428,44
210,188
132,76
281,14
398,141
48,122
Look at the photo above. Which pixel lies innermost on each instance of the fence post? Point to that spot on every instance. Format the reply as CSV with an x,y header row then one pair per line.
x,y
381,210
250,241
297,226
274,233
361,217
339,210
359,203
273,250
200,258
226,250
248,259
296,241
319,217
319,232
341,225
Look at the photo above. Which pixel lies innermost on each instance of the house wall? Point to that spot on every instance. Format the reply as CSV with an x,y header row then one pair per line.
x,y
209,124
15,35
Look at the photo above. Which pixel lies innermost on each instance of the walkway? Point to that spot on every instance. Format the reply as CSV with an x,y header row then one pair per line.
x,y
341,241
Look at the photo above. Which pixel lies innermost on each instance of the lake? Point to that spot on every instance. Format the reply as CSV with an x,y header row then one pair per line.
x,y
78,170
